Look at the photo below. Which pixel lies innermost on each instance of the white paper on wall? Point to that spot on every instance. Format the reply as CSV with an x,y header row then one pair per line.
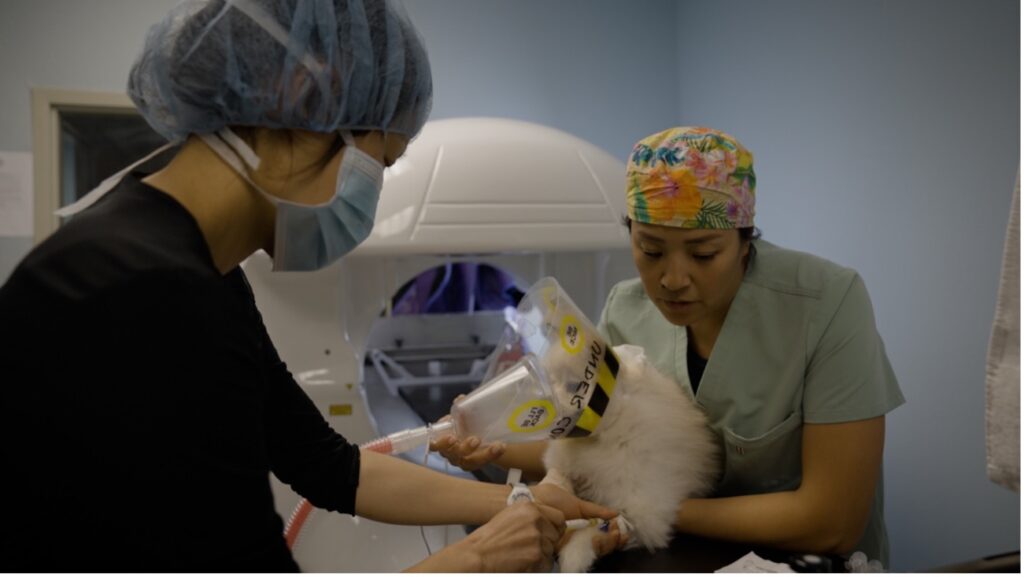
x,y
1002,378
16,199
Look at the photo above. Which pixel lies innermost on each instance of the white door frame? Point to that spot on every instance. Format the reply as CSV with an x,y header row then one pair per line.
x,y
47,106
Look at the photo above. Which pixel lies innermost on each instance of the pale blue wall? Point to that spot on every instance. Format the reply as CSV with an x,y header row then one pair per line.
x,y
886,136
69,44
604,70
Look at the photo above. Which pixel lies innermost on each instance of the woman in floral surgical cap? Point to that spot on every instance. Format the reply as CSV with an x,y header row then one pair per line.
x,y
778,347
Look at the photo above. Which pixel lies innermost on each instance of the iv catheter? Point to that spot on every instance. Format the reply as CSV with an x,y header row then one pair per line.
x,y
577,524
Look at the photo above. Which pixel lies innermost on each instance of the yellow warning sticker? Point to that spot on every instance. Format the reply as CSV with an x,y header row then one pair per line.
x,y
572,338
532,416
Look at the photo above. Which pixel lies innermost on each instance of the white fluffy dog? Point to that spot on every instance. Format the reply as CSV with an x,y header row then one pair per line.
x,y
652,449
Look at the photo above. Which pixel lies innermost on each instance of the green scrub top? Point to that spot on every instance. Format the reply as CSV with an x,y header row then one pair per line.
x,y
799,345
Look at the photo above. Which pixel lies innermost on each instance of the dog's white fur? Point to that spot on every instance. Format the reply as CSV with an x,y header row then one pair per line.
x,y
652,449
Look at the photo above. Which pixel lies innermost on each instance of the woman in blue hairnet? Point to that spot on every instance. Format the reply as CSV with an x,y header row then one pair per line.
x,y
144,405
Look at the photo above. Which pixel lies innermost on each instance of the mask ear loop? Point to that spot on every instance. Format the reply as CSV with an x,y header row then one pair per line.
x,y
232,157
241,147
361,160
237,157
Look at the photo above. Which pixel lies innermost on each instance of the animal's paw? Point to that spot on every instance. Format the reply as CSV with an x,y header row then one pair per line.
x,y
578,555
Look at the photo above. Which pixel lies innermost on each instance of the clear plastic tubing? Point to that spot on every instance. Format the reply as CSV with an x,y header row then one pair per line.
x,y
393,444
404,441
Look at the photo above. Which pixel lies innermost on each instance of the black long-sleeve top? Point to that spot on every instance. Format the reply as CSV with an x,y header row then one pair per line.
x,y
143,405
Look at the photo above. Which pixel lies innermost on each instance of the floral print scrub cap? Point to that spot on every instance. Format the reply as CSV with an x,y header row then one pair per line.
x,y
691,177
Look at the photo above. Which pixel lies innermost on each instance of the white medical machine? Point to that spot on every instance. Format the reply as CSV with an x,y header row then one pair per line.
x,y
526,199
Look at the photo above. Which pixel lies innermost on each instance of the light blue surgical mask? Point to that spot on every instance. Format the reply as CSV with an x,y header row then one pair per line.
x,y
310,237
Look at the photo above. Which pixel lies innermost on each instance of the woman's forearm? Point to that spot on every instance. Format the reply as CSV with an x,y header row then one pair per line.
x,y
528,457
785,520
394,491
841,466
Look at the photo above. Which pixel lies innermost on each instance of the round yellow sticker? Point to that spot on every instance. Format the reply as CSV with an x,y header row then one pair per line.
x,y
572,338
532,416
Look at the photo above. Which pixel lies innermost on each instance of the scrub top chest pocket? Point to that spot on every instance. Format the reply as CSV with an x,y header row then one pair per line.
x,y
765,462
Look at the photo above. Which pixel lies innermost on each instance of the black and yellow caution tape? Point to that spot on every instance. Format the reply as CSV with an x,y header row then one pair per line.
x,y
607,373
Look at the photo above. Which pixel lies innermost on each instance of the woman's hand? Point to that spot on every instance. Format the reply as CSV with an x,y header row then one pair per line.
x,y
522,537
518,539
470,454
467,454
570,505
575,508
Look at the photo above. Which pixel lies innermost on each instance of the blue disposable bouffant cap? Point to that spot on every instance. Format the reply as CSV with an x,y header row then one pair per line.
x,y
319,65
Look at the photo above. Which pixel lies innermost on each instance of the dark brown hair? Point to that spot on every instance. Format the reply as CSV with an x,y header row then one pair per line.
x,y
747,233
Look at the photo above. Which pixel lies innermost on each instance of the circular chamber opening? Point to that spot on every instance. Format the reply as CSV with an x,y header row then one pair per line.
x,y
454,288
437,340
